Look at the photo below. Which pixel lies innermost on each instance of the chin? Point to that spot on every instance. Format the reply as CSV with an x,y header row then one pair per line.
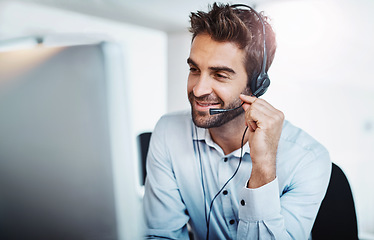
x,y
201,120
205,120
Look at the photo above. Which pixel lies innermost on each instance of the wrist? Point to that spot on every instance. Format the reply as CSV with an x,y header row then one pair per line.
x,y
261,174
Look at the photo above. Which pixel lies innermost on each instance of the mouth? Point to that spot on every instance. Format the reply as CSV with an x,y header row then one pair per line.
x,y
205,106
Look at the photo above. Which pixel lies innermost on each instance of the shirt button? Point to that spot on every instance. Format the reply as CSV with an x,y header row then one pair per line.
x,y
225,160
242,202
225,192
232,221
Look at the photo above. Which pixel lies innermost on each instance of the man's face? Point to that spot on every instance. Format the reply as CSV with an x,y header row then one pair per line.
x,y
217,78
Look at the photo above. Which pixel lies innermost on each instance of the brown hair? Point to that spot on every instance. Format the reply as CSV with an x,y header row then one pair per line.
x,y
240,26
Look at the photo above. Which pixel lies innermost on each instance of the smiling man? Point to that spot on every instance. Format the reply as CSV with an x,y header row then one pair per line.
x,y
217,77
208,170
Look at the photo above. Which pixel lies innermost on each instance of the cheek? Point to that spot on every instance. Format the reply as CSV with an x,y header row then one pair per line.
x,y
229,94
190,85
225,92
240,88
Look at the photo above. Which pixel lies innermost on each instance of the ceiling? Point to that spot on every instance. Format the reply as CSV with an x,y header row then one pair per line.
x,y
164,15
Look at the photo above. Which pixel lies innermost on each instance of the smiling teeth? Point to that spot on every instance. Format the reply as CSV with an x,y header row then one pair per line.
x,y
206,104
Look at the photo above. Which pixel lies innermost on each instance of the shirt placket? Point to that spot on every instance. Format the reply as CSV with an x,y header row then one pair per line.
x,y
225,172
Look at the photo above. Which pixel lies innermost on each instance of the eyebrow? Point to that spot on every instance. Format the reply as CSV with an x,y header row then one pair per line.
x,y
190,61
217,68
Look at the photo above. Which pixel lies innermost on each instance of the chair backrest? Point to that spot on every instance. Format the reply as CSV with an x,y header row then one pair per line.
x,y
336,218
143,142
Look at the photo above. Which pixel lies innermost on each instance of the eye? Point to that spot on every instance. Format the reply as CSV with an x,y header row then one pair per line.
x,y
193,70
220,76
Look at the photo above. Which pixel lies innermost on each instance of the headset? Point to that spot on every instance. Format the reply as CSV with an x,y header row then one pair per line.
x,y
259,85
259,82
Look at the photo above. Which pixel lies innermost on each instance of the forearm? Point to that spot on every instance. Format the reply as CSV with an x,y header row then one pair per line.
x,y
262,173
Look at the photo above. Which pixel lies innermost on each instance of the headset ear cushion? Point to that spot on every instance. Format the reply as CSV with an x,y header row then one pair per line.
x,y
259,83
253,84
264,82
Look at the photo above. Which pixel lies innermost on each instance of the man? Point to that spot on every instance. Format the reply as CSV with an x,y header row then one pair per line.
x,y
199,170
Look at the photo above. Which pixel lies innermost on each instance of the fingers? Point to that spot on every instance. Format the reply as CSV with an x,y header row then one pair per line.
x,y
259,101
259,113
247,98
252,126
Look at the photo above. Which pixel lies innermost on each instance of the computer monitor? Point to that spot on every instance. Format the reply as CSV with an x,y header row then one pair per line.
x,y
66,152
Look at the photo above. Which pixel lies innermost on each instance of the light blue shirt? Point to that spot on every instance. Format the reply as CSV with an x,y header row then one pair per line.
x,y
282,209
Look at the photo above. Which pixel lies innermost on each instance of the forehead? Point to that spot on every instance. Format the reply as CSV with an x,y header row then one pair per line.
x,y
206,51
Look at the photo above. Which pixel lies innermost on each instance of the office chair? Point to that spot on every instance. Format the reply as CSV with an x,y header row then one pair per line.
x,y
143,143
336,218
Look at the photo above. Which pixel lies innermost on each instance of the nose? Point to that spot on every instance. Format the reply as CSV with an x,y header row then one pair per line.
x,y
203,86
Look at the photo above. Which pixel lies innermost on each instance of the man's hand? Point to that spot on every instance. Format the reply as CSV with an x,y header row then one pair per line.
x,y
265,127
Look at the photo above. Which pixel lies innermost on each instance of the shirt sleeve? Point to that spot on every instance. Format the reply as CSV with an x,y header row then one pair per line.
x,y
267,213
164,210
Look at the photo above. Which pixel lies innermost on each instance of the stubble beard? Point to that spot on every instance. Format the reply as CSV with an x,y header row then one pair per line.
x,y
205,120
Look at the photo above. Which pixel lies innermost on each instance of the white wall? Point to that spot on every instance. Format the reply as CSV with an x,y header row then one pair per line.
x,y
145,64
178,69
322,81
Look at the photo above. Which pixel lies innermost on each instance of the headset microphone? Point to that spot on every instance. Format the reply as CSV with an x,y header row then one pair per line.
x,y
213,111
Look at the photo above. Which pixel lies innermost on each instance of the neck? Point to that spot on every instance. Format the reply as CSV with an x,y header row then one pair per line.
x,y
229,136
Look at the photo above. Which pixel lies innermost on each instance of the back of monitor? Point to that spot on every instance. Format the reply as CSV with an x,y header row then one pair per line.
x,y
65,145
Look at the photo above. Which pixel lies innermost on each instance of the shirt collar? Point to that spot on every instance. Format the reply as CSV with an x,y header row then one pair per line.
x,y
203,134
199,133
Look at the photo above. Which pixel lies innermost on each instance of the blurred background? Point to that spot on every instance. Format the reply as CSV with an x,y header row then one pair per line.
x,y
321,76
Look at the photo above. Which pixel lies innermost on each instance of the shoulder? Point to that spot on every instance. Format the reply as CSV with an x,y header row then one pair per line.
x,y
298,150
295,138
302,158
173,132
174,125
